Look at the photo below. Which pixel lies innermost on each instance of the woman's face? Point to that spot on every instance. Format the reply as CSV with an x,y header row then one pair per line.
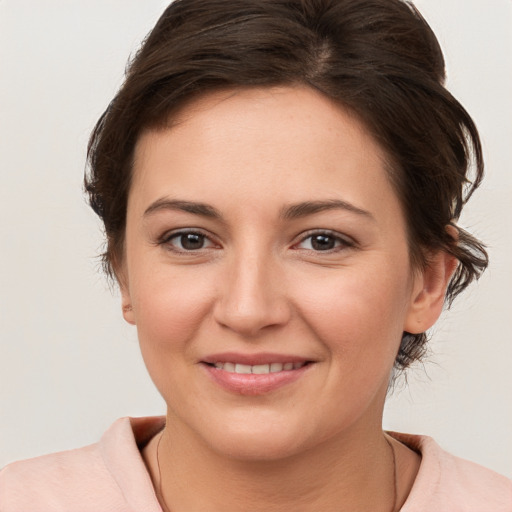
x,y
267,270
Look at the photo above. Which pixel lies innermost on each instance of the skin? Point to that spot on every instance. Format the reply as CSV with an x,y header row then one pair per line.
x,y
259,285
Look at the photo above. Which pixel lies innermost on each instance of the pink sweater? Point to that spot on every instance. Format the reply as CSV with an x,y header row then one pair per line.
x,y
110,476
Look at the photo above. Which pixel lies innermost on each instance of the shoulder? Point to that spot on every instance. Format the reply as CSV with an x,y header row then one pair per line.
x,y
452,484
100,476
57,481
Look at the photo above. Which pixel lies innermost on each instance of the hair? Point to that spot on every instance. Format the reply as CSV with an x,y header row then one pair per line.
x,y
378,58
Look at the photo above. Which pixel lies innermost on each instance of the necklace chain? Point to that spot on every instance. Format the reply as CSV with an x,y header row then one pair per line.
x,y
164,504
159,490
395,476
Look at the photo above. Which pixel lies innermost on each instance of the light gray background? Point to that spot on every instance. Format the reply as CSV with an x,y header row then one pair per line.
x,y
69,365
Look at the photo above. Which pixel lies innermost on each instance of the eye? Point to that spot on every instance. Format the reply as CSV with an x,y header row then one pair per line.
x,y
323,241
186,241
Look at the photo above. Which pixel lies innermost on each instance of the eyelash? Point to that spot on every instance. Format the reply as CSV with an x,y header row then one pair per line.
x,y
341,242
166,240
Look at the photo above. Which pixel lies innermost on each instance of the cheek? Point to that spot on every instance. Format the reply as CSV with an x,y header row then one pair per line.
x,y
169,308
358,310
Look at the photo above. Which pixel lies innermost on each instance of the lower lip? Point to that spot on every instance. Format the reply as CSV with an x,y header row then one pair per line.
x,y
254,384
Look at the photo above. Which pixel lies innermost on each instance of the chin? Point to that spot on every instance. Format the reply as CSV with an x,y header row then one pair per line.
x,y
257,447
263,437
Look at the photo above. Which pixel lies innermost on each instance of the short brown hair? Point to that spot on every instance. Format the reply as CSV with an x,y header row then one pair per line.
x,y
379,58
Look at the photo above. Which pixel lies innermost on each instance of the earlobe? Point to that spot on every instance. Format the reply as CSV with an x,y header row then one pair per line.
x,y
429,291
126,300
128,312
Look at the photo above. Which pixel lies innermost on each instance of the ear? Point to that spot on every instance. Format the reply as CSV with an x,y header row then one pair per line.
x,y
429,290
127,308
126,299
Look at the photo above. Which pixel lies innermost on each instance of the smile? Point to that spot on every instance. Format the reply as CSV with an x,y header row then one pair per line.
x,y
258,369
258,378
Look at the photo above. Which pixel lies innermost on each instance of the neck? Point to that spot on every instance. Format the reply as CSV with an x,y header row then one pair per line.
x,y
353,473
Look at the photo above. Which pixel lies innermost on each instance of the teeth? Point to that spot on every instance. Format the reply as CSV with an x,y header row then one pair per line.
x,y
243,368
229,367
258,369
276,367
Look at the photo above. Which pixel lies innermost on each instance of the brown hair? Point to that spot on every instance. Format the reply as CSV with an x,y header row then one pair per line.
x,y
378,58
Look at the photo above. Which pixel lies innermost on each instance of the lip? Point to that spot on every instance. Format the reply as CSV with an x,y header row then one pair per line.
x,y
254,384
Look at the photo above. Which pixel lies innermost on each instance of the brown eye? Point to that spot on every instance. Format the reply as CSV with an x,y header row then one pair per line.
x,y
189,241
324,241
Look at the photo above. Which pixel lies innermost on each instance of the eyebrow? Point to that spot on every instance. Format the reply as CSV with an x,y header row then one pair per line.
x,y
202,209
294,211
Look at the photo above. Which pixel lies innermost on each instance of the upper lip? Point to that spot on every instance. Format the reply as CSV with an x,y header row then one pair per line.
x,y
253,359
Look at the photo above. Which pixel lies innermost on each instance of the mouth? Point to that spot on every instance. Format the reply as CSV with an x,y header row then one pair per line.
x,y
257,369
255,375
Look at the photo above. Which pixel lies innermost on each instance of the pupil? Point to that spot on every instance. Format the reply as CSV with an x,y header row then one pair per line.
x,y
192,241
322,242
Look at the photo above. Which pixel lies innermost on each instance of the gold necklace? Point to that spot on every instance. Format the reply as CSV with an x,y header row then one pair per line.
x,y
395,477
164,504
159,488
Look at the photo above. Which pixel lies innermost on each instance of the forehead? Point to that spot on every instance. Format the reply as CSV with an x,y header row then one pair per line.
x,y
290,142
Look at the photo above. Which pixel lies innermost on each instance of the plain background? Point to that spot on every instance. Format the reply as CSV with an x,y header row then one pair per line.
x,y
69,366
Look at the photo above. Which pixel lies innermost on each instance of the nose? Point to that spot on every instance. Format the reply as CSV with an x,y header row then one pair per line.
x,y
252,296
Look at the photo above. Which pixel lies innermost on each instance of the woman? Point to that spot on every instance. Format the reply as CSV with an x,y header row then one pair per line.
x,y
280,184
